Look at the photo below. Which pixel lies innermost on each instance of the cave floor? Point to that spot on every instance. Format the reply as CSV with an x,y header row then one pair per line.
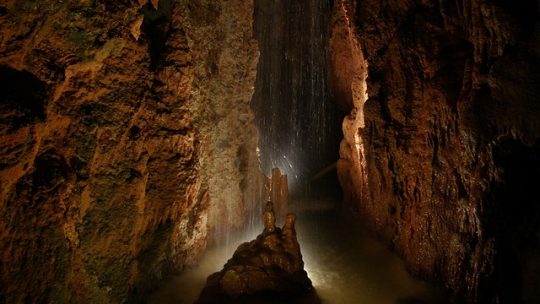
x,y
345,263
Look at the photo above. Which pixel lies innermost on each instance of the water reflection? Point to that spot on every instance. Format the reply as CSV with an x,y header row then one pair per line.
x,y
345,263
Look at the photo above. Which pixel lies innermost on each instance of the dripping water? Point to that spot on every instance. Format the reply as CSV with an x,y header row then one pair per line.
x,y
300,128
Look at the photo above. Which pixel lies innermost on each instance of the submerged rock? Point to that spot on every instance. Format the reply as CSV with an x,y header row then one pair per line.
x,y
266,269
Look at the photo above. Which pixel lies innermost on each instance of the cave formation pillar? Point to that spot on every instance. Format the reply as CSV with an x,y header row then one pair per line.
x,y
279,193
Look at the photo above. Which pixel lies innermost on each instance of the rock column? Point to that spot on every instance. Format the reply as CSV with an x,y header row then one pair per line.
x,y
279,193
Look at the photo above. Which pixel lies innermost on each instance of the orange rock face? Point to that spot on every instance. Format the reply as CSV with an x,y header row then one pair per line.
x,y
430,160
279,193
268,269
104,157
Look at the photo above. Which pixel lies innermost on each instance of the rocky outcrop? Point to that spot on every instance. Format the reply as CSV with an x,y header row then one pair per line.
x,y
107,143
225,55
442,165
268,269
348,72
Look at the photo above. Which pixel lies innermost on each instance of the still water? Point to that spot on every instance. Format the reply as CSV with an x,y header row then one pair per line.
x,y
345,263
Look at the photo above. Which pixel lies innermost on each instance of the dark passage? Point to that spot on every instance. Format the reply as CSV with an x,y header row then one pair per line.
x,y
300,130
516,210
22,98
299,125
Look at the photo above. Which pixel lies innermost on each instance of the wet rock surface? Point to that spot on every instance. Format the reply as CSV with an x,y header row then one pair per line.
x,y
104,190
430,156
266,270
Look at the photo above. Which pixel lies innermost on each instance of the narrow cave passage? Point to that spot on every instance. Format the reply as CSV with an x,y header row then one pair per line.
x,y
140,143
299,125
299,117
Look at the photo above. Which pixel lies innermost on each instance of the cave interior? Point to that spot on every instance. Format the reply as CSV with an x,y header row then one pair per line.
x,y
140,141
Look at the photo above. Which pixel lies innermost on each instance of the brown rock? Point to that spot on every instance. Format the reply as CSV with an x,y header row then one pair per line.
x,y
136,27
279,192
224,65
269,218
451,86
269,266
103,191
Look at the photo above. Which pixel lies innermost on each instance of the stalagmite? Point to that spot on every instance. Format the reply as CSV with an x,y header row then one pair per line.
x,y
269,266
269,218
279,193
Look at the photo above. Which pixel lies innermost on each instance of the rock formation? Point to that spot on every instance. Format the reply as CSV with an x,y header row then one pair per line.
x,y
225,55
115,116
279,193
442,160
127,139
268,268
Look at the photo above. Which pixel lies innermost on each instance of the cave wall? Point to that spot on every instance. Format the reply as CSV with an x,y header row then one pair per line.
x,y
442,159
225,56
117,141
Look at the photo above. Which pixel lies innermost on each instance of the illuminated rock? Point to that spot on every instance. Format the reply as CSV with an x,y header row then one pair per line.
x,y
279,192
269,218
421,157
269,267
115,119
